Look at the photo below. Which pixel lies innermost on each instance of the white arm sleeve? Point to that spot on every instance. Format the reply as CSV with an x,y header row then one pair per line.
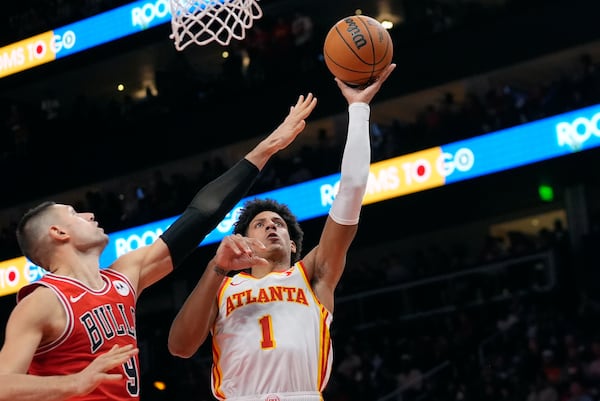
x,y
356,160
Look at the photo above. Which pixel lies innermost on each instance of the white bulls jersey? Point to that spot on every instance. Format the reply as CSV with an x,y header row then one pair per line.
x,y
271,339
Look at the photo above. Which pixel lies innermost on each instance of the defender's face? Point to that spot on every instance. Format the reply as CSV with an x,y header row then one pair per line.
x,y
81,227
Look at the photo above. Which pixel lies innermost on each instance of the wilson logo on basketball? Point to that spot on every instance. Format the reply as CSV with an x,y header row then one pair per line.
x,y
357,36
357,49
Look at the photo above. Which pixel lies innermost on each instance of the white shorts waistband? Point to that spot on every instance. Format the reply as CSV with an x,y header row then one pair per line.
x,y
296,396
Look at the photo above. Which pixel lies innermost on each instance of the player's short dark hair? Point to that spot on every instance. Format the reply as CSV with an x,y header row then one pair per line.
x,y
255,206
28,231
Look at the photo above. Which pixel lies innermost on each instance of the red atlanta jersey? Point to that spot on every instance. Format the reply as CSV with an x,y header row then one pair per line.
x,y
271,339
96,321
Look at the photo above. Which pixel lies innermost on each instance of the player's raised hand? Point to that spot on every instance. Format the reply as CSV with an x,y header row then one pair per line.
x,y
364,94
285,133
295,121
97,371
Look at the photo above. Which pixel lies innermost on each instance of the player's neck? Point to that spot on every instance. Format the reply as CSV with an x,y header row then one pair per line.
x,y
85,269
261,271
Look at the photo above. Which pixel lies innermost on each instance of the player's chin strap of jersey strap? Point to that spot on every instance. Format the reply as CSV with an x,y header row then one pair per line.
x,y
210,205
356,160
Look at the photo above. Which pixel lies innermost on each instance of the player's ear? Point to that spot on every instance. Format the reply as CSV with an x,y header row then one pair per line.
x,y
293,246
57,233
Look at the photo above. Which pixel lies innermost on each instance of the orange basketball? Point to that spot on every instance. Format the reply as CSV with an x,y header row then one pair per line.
x,y
357,49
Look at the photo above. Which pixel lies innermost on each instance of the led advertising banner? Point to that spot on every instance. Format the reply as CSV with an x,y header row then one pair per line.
x,y
15,273
85,34
486,154
502,150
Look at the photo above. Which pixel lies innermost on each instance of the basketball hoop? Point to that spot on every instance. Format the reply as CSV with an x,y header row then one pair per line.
x,y
205,21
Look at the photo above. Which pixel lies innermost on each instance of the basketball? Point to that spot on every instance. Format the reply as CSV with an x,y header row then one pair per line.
x,y
357,49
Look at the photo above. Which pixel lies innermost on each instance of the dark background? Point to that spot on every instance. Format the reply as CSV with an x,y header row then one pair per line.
x,y
439,46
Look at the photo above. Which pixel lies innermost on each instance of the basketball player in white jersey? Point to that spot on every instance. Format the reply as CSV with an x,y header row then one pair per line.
x,y
270,321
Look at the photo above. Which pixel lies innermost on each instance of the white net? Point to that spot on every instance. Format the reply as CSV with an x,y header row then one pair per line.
x,y
205,21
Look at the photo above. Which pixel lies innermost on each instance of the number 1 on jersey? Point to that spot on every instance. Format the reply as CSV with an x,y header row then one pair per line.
x,y
266,327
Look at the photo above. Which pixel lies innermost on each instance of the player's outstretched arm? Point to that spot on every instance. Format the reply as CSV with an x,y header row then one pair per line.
x,y
212,203
326,262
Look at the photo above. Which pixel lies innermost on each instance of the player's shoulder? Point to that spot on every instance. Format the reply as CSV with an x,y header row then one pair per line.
x,y
37,300
36,287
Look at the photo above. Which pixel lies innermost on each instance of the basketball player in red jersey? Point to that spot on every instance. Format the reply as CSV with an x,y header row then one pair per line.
x,y
270,322
72,334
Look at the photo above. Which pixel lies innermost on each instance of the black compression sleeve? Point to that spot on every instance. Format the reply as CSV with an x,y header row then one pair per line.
x,y
210,205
